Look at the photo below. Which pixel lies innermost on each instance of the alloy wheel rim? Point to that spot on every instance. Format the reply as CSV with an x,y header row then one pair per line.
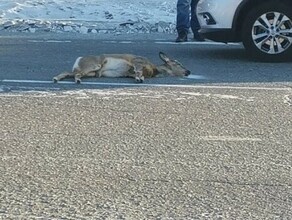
x,y
272,33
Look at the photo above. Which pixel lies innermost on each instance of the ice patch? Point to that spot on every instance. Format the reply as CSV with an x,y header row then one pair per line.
x,y
192,76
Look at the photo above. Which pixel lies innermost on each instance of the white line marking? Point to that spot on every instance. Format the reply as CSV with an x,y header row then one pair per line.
x,y
220,96
174,43
131,42
125,42
198,42
50,41
228,138
110,42
152,85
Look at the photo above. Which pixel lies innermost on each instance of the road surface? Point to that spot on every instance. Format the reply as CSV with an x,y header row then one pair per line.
x,y
213,146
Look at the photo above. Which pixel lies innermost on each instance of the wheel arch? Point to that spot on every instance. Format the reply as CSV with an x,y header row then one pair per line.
x,y
242,11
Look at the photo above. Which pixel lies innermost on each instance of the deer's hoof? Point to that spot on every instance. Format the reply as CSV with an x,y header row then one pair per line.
x,y
139,80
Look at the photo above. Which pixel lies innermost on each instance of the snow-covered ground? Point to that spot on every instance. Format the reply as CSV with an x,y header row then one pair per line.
x,y
88,16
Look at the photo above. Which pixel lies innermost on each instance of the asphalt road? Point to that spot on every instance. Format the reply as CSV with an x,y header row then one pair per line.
x,y
214,146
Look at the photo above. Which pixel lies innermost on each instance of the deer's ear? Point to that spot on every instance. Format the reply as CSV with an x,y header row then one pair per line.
x,y
163,56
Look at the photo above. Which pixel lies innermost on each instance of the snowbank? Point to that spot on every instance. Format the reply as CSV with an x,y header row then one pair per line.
x,y
88,16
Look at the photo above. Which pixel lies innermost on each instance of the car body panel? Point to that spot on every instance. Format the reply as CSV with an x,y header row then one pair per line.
x,y
223,17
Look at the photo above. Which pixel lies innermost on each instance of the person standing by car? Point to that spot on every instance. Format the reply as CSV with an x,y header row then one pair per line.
x,y
184,21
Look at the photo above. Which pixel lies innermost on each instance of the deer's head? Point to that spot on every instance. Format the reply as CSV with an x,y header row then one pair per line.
x,y
171,67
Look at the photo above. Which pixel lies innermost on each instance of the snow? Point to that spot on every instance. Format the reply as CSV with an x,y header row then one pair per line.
x,y
88,16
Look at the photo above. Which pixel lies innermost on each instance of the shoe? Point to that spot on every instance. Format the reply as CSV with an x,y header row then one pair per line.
x,y
182,37
198,38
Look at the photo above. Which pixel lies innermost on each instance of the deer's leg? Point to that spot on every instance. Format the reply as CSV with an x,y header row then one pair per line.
x,y
78,77
92,70
139,78
92,74
62,76
137,72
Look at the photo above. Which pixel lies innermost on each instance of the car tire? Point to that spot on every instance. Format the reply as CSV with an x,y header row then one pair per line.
x,y
270,23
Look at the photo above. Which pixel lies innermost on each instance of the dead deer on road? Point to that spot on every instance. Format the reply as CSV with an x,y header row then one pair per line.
x,y
122,65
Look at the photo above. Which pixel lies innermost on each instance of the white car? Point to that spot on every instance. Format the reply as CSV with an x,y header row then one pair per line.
x,y
263,26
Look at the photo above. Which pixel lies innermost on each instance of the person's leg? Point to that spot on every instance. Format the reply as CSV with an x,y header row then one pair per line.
x,y
195,25
183,19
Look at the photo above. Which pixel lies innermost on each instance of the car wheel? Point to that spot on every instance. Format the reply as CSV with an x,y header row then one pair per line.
x,y
267,31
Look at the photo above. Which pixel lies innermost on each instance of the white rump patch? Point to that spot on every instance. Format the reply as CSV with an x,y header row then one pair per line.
x,y
76,64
